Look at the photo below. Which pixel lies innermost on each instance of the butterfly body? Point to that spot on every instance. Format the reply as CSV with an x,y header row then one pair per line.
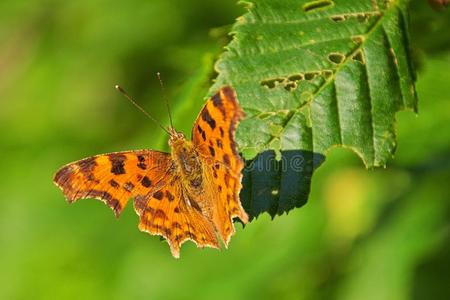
x,y
190,167
190,194
187,160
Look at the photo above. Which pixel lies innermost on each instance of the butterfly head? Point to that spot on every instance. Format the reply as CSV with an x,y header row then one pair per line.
x,y
176,137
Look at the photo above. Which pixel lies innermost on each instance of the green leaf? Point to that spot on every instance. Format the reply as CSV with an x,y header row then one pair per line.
x,y
312,75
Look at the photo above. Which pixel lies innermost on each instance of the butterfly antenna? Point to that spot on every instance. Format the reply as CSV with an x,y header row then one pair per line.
x,y
165,98
121,90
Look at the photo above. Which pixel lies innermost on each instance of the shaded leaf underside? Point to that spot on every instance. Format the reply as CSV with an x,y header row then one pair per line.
x,y
312,75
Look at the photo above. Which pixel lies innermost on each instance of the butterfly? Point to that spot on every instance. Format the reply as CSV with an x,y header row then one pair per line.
x,y
190,194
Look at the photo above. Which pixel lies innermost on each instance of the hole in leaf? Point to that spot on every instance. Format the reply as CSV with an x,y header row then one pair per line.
x,y
311,75
271,83
357,39
318,4
327,73
336,58
296,77
338,18
290,86
359,56
363,18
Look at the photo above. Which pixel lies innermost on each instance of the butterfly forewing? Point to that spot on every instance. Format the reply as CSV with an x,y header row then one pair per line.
x,y
113,178
213,136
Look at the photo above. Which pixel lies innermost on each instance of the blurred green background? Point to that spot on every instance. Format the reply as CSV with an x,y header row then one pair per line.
x,y
382,234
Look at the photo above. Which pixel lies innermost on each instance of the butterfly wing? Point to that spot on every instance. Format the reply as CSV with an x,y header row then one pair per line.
x,y
113,178
149,177
213,137
167,212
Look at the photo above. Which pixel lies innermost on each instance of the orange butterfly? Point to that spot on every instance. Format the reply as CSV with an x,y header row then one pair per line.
x,y
190,194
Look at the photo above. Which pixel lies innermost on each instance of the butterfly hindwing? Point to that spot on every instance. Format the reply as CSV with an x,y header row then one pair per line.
x,y
213,137
167,212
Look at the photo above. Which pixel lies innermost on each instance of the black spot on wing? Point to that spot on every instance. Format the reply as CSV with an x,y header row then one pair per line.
x,y
167,231
169,196
117,163
158,195
87,165
208,119
141,162
212,151
146,182
226,159
217,102
113,183
199,129
202,132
